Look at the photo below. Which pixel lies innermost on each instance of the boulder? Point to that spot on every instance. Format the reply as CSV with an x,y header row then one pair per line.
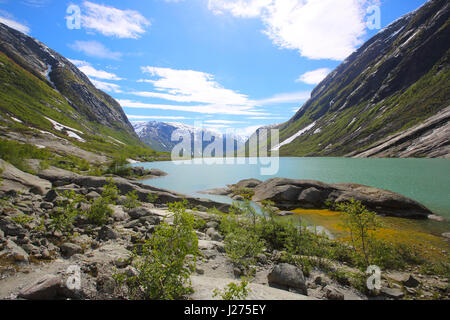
x,y
288,276
11,228
214,235
412,282
46,288
248,184
291,194
139,212
51,196
157,173
118,213
69,249
108,233
12,250
333,293
15,179
392,293
93,195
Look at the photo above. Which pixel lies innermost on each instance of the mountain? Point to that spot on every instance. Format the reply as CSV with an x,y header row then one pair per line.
x,y
46,101
390,98
158,136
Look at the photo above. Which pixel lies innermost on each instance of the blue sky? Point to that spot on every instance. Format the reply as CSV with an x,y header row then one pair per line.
x,y
229,63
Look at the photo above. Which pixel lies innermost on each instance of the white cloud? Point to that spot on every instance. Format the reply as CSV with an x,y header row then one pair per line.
x,y
91,72
133,117
248,131
205,109
95,49
106,86
293,97
222,122
314,77
240,8
189,86
318,29
113,22
9,20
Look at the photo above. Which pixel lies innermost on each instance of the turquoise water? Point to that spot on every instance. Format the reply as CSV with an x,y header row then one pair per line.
x,y
424,180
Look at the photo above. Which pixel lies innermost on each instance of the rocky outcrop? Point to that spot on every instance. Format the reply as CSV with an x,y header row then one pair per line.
x,y
430,138
293,194
17,180
59,177
288,276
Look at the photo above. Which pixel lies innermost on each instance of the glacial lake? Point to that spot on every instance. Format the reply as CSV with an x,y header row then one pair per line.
x,y
424,180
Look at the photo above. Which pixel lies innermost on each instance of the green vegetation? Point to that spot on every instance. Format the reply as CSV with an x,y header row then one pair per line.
x,y
99,212
234,291
65,214
152,198
132,200
22,219
168,259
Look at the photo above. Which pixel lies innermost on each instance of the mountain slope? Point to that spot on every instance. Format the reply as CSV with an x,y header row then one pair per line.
x,y
158,135
394,82
44,96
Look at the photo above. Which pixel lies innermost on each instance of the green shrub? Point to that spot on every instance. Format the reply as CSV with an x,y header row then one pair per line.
x,y
119,167
64,216
132,200
22,219
234,291
152,198
110,192
99,212
168,259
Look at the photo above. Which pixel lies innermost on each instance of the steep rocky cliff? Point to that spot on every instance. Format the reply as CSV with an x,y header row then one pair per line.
x,y
396,81
44,97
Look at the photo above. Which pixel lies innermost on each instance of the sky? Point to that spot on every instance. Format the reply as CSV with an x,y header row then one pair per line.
x,y
238,64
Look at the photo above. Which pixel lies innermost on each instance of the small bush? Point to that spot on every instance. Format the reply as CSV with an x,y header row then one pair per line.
x,y
99,212
132,200
233,291
152,198
110,192
22,219
168,259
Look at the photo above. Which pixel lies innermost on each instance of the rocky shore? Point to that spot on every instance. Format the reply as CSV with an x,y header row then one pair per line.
x,y
289,194
37,263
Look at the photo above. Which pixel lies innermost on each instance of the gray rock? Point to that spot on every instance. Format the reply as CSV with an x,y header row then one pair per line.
x,y
392,293
51,196
118,213
14,251
248,183
69,249
15,179
214,235
411,282
46,288
150,220
286,275
285,213
139,212
157,173
108,233
446,235
212,224
287,192
93,195
10,228
333,293
46,205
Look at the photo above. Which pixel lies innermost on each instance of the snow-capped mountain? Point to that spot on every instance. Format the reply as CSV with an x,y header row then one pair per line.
x,y
158,135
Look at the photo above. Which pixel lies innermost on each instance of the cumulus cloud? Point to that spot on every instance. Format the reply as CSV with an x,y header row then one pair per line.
x,y
95,49
113,22
189,86
314,77
318,29
293,97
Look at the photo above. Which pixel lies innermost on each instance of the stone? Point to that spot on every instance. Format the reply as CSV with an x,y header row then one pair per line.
x,y
93,195
151,220
248,183
15,179
212,224
11,228
14,251
285,213
333,293
69,249
51,196
214,235
118,213
47,288
411,282
108,233
312,196
139,212
286,275
46,205
392,293
446,235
